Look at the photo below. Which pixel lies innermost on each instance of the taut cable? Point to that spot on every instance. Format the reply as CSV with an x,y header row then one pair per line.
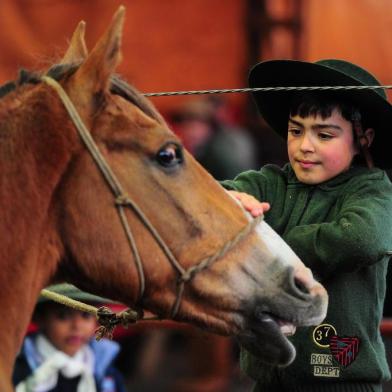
x,y
264,89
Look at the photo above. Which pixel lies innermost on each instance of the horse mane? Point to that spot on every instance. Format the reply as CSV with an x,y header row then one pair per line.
x,y
59,71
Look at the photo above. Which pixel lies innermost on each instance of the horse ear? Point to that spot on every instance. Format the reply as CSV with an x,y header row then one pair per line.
x,y
94,73
77,50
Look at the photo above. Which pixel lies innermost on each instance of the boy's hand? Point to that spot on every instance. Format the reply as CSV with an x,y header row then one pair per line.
x,y
250,203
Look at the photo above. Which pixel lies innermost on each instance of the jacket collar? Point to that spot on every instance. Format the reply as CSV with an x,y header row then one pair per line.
x,y
105,350
331,183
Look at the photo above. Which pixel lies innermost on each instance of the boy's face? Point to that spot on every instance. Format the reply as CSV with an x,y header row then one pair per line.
x,y
320,149
67,329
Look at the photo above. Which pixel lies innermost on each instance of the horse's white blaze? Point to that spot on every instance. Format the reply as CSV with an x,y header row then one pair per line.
x,y
274,243
286,256
276,246
280,252
275,249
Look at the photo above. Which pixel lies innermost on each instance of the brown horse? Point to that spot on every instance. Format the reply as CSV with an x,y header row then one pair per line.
x,y
59,219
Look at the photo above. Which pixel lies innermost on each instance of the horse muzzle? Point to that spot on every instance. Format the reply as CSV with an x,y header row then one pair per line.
x,y
298,302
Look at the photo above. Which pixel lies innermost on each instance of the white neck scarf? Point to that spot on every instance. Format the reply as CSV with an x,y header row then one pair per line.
x,y
45,377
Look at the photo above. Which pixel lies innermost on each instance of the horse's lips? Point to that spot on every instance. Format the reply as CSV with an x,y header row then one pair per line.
x,y
267,339
287,328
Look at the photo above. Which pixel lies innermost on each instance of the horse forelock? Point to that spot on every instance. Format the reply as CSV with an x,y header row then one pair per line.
x,y
131,94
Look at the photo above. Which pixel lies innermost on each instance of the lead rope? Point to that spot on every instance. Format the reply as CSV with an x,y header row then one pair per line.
x,y
107,319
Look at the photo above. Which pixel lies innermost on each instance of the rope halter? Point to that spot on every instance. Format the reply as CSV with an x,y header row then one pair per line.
x,y
106,318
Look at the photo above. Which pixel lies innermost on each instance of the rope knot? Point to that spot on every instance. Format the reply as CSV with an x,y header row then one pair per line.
x,y
187,275
108,320
123,200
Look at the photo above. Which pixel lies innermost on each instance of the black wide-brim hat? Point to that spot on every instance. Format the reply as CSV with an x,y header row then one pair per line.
x,y
274,106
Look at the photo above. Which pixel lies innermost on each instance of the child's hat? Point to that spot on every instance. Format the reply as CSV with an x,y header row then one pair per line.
x,y
73,292
274,105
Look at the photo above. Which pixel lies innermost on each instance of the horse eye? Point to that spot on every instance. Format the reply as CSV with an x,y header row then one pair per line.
x,y
170,155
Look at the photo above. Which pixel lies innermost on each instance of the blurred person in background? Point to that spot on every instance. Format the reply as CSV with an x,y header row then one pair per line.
x,y
63,356
209,132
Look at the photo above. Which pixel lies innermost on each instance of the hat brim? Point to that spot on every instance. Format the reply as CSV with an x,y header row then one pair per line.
x,y
274,105
73,292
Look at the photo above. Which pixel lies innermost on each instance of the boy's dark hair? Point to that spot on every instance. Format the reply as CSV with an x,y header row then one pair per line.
x,y
45,308
315,103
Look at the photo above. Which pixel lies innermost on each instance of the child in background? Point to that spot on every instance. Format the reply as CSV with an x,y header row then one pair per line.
x,y
63,356
334,208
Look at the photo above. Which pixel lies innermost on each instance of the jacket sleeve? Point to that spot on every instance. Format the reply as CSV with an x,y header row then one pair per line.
x,y
360,235
256,183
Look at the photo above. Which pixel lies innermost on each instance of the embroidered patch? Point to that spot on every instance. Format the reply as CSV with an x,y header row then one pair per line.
x,y
322,334
344,349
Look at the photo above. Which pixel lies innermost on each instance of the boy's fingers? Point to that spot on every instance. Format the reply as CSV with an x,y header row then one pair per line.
x,y
266,206
236,195
250,203
254,206
260,209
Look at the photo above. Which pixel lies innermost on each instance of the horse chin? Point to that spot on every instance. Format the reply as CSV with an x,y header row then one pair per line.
x,y
266,339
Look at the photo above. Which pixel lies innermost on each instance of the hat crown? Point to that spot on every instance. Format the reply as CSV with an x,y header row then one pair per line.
x,y
364,77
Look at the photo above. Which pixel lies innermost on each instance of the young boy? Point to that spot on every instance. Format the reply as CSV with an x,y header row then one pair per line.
x,y
63,356
335,210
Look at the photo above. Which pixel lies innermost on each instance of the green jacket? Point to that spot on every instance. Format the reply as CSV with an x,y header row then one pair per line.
x,y
342,230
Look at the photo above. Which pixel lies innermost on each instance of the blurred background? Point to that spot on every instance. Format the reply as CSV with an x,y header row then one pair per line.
x,y
177,45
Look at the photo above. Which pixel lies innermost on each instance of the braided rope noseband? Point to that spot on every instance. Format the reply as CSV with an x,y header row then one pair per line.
x,y
106,318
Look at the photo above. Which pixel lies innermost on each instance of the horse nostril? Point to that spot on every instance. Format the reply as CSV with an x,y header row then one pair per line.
x,y
297,285
300,286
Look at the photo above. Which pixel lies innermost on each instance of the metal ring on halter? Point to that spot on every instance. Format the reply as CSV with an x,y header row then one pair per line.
x,y
122,200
